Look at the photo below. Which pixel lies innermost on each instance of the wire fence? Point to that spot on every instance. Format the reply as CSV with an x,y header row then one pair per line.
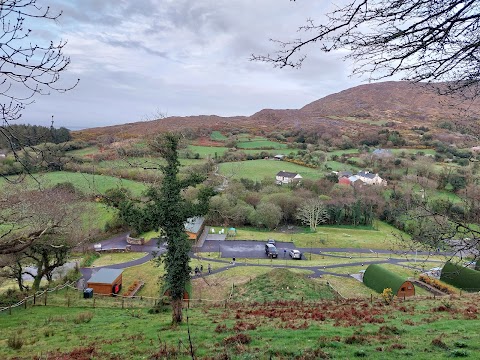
x,y
68,295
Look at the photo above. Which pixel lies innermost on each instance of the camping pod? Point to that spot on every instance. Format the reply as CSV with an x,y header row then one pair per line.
x,y
378,278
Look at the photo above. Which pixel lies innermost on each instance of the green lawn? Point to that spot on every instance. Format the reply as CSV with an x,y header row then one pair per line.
x,y
260,169
331,237
117,258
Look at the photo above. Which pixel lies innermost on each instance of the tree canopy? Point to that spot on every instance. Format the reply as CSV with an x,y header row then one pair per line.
x,y
29,65
431,41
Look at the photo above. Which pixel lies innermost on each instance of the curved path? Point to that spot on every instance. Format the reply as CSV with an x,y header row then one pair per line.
x,y
250,249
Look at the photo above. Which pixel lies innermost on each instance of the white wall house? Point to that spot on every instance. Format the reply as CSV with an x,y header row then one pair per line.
x,y
285,177
370,178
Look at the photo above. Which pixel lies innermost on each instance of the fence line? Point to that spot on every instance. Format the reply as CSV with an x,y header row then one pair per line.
x,y
35,295
107,301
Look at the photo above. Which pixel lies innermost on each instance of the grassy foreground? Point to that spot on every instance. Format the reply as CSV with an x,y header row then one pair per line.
x,y
420,329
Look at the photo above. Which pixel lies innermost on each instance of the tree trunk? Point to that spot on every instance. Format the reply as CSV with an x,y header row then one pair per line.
x,y
177,315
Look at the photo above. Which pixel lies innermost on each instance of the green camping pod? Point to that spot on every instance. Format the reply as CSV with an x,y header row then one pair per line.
x,y
461,277
378,278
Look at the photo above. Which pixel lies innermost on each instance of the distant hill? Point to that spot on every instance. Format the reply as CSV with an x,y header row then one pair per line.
x,y
357,111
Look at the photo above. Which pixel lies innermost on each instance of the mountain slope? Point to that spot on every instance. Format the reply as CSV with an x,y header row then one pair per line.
x,y
357,111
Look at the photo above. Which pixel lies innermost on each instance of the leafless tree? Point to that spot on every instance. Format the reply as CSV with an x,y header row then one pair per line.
x,y
312,213
428,41
27,69
29,216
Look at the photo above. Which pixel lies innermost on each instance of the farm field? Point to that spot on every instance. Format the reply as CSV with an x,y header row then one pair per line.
x,y
85,152
217,136
261,169
261,144
86,183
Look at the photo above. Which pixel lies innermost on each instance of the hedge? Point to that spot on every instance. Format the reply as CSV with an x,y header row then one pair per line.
x,y
461,277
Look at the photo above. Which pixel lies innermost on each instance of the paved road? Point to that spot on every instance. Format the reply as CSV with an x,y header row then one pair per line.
x,y
252,250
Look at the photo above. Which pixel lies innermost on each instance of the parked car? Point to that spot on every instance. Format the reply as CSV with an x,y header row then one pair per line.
x,y
295,254
271,250
271,241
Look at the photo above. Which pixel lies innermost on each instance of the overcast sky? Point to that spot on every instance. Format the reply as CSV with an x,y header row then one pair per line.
x,y
181,57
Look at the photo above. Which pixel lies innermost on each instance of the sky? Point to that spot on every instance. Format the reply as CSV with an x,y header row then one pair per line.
x,y
136,59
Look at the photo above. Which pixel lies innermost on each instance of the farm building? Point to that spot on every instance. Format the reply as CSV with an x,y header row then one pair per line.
x,y
461,277
194,227
106,281
379,279
344,181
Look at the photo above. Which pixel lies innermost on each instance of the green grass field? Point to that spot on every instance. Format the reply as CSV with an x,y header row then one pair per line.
x,y
325,329
382,237
86,183
217,136
259,144
91,150
260,169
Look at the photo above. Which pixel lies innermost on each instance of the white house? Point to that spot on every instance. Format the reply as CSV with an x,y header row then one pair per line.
x,y
285,177
370,178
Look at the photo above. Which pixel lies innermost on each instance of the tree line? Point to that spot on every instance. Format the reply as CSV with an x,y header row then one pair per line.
x,y
18,136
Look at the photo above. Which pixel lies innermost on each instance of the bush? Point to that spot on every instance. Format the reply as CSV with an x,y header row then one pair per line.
x,y
83,318
89,259
458,353
437,284
15,342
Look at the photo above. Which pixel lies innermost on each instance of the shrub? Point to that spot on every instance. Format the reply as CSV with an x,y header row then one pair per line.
x,y
83,317
15,342
387,295
238,339
89,259
437,284
439,343
458,353
360,353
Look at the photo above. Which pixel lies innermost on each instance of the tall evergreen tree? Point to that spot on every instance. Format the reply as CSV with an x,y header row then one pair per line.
x,y
170,211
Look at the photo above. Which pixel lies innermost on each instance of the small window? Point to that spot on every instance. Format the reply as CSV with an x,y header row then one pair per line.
x,y
403,289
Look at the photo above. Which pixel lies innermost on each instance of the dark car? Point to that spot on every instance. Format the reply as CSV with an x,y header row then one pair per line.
x,y
271,241
271,250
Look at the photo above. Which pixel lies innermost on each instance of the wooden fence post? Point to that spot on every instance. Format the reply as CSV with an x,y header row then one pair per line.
x,y
45,298
34,298
123,302
9,309
68,301
94,302
25,302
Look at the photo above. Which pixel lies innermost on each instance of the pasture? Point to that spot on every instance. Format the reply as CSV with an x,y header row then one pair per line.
x,y
261,169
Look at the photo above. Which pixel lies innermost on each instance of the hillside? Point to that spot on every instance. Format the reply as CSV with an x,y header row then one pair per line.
x,y
283,330
356,111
